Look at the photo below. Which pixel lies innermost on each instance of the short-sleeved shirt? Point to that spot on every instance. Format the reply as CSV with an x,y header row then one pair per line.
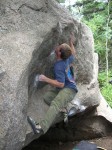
x,y
63,74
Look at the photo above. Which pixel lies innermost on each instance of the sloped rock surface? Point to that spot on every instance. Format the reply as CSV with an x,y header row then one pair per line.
x,y
29,31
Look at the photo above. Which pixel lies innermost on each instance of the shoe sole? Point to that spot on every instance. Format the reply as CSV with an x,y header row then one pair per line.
x,y
32,124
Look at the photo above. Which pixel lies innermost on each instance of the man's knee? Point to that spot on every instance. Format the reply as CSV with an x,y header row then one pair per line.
x,y
49,96
47,101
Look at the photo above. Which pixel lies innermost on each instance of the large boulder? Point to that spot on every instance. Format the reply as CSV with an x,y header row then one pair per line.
x,y
29,32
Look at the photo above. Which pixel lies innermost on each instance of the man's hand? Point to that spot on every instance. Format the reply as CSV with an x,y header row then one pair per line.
x,y
42,78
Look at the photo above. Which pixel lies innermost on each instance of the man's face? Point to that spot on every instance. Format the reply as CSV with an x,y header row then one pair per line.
x,y
57,50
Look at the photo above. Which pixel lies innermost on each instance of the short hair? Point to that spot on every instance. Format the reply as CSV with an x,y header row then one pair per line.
x,y
65,51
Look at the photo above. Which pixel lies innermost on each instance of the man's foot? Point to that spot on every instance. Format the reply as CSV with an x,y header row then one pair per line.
x,y
36,127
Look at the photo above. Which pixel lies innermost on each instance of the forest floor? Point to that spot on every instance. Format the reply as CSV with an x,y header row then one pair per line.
x,y
105,142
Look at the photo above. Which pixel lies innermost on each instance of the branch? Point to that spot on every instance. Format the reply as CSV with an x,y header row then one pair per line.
x,y
93,11
83,3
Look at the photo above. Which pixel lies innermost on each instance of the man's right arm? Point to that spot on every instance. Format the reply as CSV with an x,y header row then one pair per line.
x,y
72,45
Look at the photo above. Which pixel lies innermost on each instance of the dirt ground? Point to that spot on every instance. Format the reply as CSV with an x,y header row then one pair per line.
x,y
105,142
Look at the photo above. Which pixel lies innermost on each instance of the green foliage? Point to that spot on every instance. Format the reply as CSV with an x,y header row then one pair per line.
x,y
102,78
107,93
106,88
95,16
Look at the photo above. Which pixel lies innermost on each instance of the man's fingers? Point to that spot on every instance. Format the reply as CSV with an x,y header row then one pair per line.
x,y
42,77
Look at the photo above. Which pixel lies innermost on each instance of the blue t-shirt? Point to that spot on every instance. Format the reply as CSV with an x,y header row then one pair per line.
x,y
62,72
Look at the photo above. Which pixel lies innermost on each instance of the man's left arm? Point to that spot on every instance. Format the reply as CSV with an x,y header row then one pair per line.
x,y
51,81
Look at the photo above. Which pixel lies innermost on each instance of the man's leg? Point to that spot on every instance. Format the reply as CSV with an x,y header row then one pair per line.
x,y
50,95
61,100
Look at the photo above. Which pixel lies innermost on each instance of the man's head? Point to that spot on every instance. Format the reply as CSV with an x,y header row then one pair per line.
x,y
63,51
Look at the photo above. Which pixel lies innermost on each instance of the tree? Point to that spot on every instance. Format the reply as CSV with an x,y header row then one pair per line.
x,y
95,14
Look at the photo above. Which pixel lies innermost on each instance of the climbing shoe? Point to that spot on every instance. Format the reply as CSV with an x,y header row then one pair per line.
x,y
36,127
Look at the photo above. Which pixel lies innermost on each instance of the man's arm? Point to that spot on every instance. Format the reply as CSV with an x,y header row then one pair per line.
x,y
51,81
72,45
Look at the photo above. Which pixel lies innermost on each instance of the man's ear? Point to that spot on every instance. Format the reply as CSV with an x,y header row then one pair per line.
x,y
59,51
62,53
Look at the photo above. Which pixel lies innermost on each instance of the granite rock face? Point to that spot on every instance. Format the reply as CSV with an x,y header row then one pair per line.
x,y
29,32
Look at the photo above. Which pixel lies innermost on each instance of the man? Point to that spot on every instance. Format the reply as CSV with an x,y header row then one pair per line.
x,y
64,83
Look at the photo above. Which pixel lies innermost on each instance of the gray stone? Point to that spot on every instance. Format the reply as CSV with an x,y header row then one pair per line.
x,y
29,31
2,73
